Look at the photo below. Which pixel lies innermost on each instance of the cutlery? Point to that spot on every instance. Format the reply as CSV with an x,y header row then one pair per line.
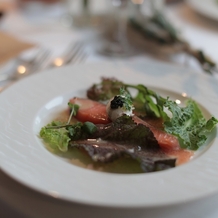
x,y
74,54
25,67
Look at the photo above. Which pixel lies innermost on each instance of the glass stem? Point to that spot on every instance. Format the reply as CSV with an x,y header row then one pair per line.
x,y
85,6
121,20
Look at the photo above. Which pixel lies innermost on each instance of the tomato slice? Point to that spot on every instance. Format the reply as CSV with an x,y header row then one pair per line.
x,y
91,111
182,156
165,140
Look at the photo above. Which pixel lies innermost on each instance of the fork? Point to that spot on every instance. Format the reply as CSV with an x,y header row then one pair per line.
x,y
26,67
74,54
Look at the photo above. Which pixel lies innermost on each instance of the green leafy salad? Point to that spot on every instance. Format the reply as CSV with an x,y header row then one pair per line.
x,y
137,126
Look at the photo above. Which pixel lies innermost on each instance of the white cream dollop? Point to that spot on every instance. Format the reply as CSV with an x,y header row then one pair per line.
x,y
113,114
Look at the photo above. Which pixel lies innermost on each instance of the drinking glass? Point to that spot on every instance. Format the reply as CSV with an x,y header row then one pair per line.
x,y
117,43
83,13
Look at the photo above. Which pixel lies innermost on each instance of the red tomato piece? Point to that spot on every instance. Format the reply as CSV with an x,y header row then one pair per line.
x,y
91,111
182,156
165,140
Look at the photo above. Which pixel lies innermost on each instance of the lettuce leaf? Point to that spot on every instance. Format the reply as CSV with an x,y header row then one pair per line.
x,y
58,135
107,89
188,124
55,137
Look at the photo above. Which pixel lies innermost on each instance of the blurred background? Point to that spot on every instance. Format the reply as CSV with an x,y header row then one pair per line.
x,y
174,31
36,35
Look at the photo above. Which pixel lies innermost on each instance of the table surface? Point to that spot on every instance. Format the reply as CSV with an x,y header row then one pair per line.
x,y
16,200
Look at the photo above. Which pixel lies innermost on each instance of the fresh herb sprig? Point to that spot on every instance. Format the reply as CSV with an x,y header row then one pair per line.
x,y
127,100
57,125
58,134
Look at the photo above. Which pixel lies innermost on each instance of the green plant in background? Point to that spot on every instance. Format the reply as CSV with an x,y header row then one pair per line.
x,y
159,29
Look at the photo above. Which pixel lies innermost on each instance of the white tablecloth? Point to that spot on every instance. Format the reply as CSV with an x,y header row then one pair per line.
x,y
17,200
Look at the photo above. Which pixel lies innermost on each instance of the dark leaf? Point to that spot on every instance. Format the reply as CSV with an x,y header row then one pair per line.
x,y
124,137
124,130
108,88
105,151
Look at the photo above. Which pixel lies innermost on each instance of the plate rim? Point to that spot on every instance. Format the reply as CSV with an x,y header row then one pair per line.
x,y
124,67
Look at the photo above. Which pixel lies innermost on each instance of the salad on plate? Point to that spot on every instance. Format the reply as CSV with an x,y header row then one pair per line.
x,y
130,128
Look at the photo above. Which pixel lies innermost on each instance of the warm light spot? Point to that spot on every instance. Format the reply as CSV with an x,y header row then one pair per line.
x,y
54,194
91,140
184,94
58,62
178,101
21,69
138,2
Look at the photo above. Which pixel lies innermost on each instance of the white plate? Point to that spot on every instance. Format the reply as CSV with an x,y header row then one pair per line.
x,y
208,8
29,104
